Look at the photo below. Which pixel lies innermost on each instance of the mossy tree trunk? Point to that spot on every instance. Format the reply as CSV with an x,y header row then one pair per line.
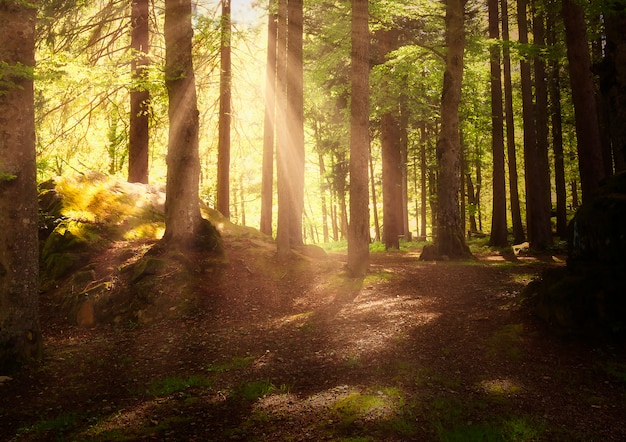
x,y
20,335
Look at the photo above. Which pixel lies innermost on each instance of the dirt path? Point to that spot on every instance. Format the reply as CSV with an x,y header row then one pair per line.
x,y
416,351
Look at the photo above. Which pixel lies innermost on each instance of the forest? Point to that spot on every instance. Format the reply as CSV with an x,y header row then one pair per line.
x,y
312,220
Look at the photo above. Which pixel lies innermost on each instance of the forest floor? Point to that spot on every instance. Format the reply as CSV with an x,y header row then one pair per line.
x,y
298,351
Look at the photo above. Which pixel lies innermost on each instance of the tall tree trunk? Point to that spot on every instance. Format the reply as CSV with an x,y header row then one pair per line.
x,y
590,161
614,67
498,235
516,214
423,179
268,127
358,229
554,89
295,121
184,226
392,182
223,145
542,164
20,333
450,239
377,236
282,136
323,190
404,163
535,215
138,136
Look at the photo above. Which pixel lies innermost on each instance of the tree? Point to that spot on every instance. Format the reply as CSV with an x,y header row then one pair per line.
x,y
450,239
358,229
223,146
290,143
20,334
538,221
392,181
295,120
498,236
516,216
590,162
283,245
184,225
138,138
268,127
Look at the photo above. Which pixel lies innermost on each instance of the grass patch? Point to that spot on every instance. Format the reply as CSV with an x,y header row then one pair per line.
x,y
167,386
253,390
64,423
505,342
234,364
378,277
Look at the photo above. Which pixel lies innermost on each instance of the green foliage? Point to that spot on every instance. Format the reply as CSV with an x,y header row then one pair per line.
x,y
253,390
234,364
167,386
11,76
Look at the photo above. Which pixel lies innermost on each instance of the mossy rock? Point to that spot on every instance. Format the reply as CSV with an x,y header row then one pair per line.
x,y
58,265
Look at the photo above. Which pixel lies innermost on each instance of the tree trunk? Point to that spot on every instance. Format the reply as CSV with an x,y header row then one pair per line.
x,y
614,66
377,236
184,226
498,237
295,69
450,239
223,145
358,229
554,89
587,127
392,182
516,215
542,162
138,136
323,190
20,334
423,179
282,136
535,215
267,191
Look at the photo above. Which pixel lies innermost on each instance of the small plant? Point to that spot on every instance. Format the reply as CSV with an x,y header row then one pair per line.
x,y
236,363
251,391
58,425
164,387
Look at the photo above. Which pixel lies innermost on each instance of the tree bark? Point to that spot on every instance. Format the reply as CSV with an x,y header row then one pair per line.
x,y
498,237
295,79
535,215
392,182
423,179
554,89
223,145
614,84
542,162
282,137
184,226
516,214
138,137
20,333
450,238
590,161
358,230
377,236
267,183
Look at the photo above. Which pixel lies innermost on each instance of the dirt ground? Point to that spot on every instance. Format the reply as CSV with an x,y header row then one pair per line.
x,y
298,351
